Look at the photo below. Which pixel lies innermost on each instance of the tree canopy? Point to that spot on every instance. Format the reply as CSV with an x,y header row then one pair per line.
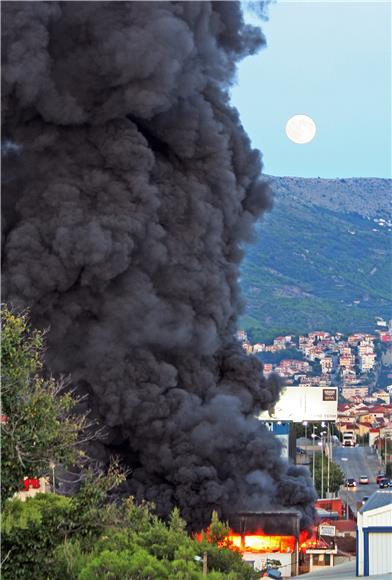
x,y
336,475
38,423
84,536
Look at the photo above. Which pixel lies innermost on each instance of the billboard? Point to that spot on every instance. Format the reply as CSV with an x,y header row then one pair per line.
x,y
327,531
299,404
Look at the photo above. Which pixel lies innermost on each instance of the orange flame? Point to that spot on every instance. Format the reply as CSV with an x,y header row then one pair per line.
x,y
260,542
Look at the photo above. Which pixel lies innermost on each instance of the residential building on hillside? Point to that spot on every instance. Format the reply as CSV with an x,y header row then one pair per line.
x,y
318,335
350,393
280,342
327,364
383,396
248,348
367,361
242,335
347,359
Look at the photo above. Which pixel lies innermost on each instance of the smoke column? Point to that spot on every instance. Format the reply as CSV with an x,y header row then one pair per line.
x,y
130,187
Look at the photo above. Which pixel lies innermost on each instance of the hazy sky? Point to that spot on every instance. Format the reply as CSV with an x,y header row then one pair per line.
x,y
330,60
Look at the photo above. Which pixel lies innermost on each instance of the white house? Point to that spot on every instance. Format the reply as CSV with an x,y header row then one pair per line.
x,y
374,535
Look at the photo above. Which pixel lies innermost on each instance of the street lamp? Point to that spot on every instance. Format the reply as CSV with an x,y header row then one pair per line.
x,y
313,435
322,463
344,459
386,452
305,424
329,456
321,444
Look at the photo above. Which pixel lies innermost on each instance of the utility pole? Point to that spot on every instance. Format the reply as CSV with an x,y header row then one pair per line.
x,y
205,564
329,449
322,466
52,466
313,463
344,459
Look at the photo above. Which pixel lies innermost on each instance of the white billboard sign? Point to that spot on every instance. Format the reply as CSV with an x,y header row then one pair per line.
x,y
327,531
299,404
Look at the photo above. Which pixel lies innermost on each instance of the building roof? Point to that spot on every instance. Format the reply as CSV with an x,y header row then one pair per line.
x,y
379,499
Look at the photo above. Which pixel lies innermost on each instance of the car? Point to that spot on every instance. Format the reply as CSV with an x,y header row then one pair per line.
x,y
364,479
350,482
379,477
364,499
383,483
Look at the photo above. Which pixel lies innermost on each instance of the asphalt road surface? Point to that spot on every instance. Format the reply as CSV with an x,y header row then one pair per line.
x,y
360,461
340,572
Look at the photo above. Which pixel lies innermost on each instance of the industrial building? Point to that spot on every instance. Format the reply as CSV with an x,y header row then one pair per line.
x,y
374,535
268,537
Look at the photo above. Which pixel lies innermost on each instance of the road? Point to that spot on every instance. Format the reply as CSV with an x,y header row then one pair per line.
x,y
344,571
360,461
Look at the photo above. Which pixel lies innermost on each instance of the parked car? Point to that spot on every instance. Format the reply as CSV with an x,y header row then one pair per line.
x,y
379,477
364,479
383,483
350,482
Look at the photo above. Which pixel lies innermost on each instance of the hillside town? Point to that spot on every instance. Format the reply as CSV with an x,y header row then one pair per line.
x,y
352,363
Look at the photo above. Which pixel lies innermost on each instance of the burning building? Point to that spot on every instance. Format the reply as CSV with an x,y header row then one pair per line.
x,y
268,536
274,539
130,188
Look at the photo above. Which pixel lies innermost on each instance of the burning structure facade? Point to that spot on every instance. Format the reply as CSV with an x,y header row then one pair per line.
x,y
273,539
268,538
129,189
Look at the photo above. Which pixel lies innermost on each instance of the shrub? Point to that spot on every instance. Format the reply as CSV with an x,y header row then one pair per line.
x,y
31,530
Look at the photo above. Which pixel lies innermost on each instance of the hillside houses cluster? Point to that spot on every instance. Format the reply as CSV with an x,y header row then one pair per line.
x,y
349,362
374,421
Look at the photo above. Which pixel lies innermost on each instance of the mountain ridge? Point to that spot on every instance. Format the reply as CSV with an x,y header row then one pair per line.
x,y
321,257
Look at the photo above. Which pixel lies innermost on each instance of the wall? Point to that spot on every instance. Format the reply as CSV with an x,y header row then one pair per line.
x,y
286,560
374,540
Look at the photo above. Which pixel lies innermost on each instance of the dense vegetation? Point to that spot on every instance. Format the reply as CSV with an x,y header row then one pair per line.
x,y
85,536
312,267
38,425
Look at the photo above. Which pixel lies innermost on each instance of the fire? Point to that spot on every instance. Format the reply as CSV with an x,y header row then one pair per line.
x,y
263,543
260,542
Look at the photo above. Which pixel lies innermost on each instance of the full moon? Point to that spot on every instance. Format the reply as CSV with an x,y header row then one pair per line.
x,y
301,129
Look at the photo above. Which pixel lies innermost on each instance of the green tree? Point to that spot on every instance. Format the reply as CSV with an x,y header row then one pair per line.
x,y
32,530
56,537
38,424
336,475
143,546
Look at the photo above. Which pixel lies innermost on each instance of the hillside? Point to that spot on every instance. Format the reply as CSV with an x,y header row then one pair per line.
x,y
321,258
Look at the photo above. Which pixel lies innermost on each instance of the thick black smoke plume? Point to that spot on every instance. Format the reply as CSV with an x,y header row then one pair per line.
x,y
130,186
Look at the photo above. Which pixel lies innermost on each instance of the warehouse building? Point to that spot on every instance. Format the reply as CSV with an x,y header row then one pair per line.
x,y
374,535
